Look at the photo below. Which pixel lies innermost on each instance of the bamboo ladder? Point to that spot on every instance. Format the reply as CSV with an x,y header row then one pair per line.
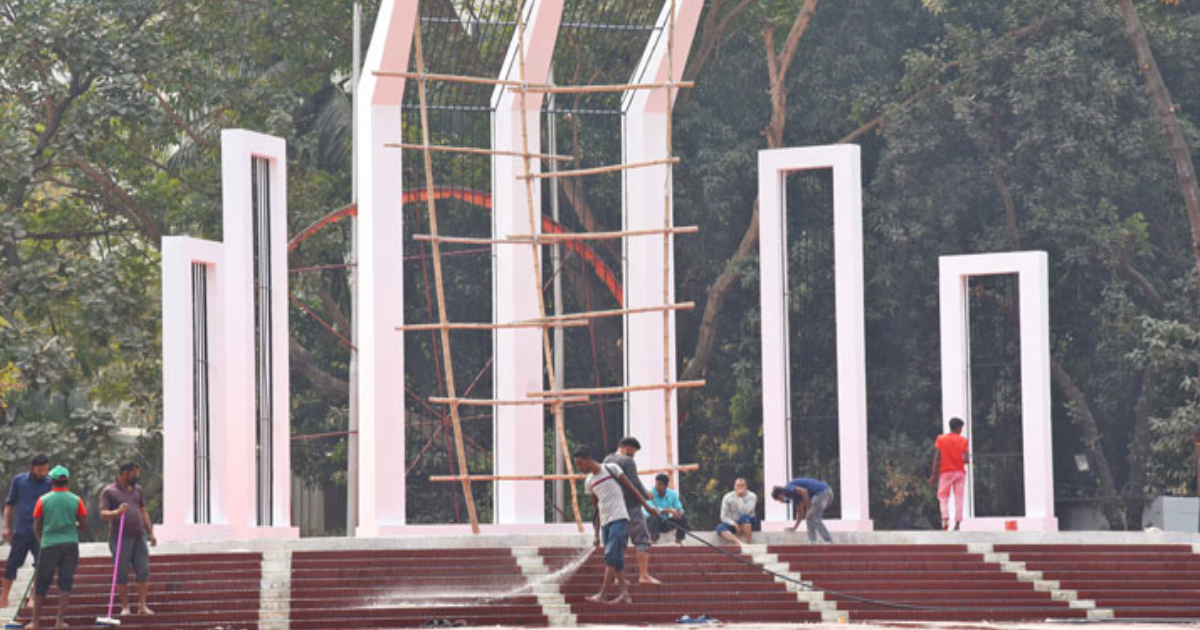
x,y
557,396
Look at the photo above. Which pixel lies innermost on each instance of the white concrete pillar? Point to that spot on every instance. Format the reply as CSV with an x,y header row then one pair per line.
x,y
774,166
1032,270
380,305
519,358
644,138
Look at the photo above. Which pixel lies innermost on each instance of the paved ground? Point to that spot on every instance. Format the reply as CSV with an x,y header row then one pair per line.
x,y
911,625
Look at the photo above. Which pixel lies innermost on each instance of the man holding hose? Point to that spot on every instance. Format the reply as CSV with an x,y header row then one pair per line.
x,y
124,498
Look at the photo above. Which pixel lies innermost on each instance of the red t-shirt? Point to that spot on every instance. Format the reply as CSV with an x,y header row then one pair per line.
x,y
952,446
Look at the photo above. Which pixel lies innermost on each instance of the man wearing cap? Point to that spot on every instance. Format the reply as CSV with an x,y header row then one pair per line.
x,y
58,518
639,532
124,497
23,494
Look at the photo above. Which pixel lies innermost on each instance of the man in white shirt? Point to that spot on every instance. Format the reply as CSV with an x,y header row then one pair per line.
x,y
604,485
737,513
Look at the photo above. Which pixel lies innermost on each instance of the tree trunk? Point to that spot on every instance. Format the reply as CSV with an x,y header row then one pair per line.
x,y
1086,421
718,291
1139,451
1177,145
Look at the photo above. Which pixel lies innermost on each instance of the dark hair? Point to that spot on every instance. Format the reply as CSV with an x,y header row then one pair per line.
x,y
128,466
663,477
629,441
39,460
778,491
583,453
956,424
60,482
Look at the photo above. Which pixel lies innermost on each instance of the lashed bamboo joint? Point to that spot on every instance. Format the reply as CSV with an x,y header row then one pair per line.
x,y
615,389
575,477
477,151
480,402
490,326
599,170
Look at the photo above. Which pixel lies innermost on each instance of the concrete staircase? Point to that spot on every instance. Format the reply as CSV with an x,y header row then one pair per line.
x,y
920,583
696,581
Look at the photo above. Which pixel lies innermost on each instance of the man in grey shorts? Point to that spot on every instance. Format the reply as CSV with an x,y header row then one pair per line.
x,y
639,532
125,498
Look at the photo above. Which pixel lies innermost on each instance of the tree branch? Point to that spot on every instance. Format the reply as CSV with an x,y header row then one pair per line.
x,y
306,364
116,194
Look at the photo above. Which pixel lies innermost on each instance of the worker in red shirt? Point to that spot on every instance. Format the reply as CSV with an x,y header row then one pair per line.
x,y
950,459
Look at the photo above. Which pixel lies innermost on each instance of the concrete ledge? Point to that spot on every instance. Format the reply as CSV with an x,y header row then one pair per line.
x,y
1100,614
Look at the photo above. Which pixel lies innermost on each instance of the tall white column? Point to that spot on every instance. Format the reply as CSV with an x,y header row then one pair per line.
x,y
519,360
380,301
1032,270
644,138
774,166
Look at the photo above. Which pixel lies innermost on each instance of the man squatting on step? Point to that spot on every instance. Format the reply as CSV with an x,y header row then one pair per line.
x,y
639,531
125,497
737,513
812,497
950,458
604,484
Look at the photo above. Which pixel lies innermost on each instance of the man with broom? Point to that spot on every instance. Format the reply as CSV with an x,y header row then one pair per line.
x,y
124,497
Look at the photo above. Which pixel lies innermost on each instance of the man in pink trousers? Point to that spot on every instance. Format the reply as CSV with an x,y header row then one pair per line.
x,y
950,459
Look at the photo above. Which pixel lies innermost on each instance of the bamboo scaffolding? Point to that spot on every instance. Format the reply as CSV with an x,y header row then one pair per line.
x,y
616,312
481,402
617,87
559,422
447,363
574,477
476,151
598,236
489,326
598,170
616,389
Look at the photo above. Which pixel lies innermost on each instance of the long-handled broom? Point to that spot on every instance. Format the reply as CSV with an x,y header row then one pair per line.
x,y
110,621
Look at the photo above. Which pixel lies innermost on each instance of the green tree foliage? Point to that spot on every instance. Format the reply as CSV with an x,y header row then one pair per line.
x,y
985,126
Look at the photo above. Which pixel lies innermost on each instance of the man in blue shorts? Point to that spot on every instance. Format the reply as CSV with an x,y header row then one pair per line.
x,y
812,496
605,484
23,494
737,514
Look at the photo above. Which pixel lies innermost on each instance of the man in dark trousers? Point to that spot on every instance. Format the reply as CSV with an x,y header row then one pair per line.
x,y
639,532
23,493
125,497
58,519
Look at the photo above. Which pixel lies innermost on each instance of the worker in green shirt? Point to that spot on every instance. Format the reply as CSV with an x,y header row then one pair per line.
x,y
58,518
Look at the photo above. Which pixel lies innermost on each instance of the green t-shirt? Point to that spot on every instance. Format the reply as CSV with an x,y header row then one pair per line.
x,y
59,510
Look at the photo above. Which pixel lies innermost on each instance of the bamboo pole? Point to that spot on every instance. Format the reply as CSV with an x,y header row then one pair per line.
x,y
574,477
476,151
448,363
468,240
617,87
480,402
617,389
616,312
668,183
559,424
598,170
487,326
599,236
453,78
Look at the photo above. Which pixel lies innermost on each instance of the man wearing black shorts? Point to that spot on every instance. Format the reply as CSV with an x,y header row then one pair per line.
x,y
58,518
23,493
